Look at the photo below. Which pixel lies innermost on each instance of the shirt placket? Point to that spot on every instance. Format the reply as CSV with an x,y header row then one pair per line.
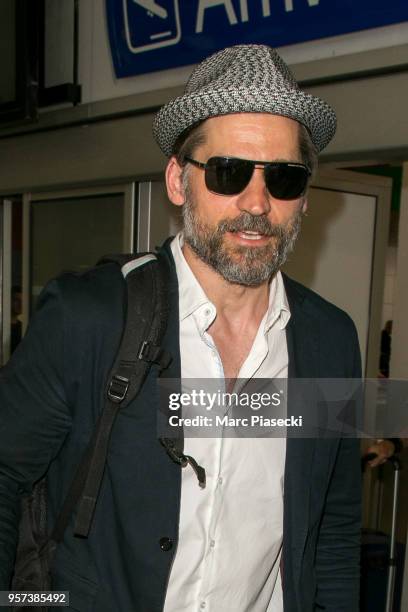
x,y
204,603
213,535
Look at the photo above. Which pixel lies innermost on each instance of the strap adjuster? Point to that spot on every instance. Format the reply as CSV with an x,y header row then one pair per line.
x,y
144,351
118,388
152,353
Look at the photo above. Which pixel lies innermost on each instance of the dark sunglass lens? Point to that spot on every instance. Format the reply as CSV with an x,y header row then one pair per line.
x,y
227,176
286,182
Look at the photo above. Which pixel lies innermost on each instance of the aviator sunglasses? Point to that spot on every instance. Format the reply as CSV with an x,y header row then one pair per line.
x,y
230,176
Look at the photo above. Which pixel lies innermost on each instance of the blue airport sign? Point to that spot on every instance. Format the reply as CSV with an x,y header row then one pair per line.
x,y
150,35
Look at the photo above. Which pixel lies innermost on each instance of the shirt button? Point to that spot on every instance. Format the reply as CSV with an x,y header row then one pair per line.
x,y
202,605
212,543
166,544
207,312
220,480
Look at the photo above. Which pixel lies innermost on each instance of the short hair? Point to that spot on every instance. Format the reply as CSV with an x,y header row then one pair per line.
x,y
188,141
195,136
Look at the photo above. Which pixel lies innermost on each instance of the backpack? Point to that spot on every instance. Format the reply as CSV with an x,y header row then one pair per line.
x,y
146,320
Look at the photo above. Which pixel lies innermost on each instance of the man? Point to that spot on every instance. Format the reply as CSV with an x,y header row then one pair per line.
x,y
276,526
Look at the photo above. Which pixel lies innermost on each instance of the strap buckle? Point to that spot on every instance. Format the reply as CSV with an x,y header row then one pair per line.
x,y
118,388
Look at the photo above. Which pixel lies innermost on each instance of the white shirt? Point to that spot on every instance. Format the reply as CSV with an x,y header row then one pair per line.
x,y
230,532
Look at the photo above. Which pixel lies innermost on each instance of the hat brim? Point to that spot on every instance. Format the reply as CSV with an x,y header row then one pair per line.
x,y
187,110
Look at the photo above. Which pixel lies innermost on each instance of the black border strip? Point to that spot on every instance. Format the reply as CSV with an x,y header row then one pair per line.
x,y
24,106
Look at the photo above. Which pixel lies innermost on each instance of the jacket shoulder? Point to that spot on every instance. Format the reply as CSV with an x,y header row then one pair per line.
x,y
93,294
86,309
333,328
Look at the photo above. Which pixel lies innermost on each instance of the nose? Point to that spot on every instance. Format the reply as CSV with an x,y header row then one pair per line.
x,y
255,197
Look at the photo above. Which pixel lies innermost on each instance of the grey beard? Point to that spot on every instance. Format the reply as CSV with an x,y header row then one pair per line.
x,y
249,266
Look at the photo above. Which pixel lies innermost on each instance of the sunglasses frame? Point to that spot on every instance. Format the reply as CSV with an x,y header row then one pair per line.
x,y
255,164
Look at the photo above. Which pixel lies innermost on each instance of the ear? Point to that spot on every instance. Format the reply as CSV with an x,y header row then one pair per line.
x,y
304,206
174,183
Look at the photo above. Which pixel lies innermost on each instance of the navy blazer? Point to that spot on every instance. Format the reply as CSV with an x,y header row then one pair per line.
x,y
51,393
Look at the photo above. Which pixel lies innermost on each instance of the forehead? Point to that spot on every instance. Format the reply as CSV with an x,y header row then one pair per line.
x,y
262,135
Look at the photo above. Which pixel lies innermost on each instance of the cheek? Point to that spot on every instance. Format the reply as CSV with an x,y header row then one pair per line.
x,y
212,208
283,213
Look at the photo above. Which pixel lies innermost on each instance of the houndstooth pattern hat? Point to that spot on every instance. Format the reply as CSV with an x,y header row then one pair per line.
x,y
243,79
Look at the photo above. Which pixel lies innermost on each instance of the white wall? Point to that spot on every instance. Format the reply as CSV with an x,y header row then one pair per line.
x,y
334,253
342,249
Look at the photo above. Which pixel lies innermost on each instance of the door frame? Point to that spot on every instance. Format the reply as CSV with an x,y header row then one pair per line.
x,y
380,188
128,189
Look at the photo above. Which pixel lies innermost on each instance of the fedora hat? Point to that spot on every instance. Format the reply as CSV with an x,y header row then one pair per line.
x,y
243,79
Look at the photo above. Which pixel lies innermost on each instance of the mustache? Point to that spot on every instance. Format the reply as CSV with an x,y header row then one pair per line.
x,y
251,223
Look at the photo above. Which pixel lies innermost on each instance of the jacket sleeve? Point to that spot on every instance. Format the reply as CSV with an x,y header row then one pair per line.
x,y
34,416
338,546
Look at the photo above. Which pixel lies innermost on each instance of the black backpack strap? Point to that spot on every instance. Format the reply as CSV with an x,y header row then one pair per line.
x,y
146,321
174,448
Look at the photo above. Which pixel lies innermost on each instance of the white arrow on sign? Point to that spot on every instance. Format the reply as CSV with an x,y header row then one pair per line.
x,y
152,7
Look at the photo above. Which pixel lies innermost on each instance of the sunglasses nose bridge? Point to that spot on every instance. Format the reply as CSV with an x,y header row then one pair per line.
x,y
255,197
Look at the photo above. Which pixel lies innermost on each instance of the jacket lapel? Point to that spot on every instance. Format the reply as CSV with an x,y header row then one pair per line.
x,y
171,343
302,341
171,339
